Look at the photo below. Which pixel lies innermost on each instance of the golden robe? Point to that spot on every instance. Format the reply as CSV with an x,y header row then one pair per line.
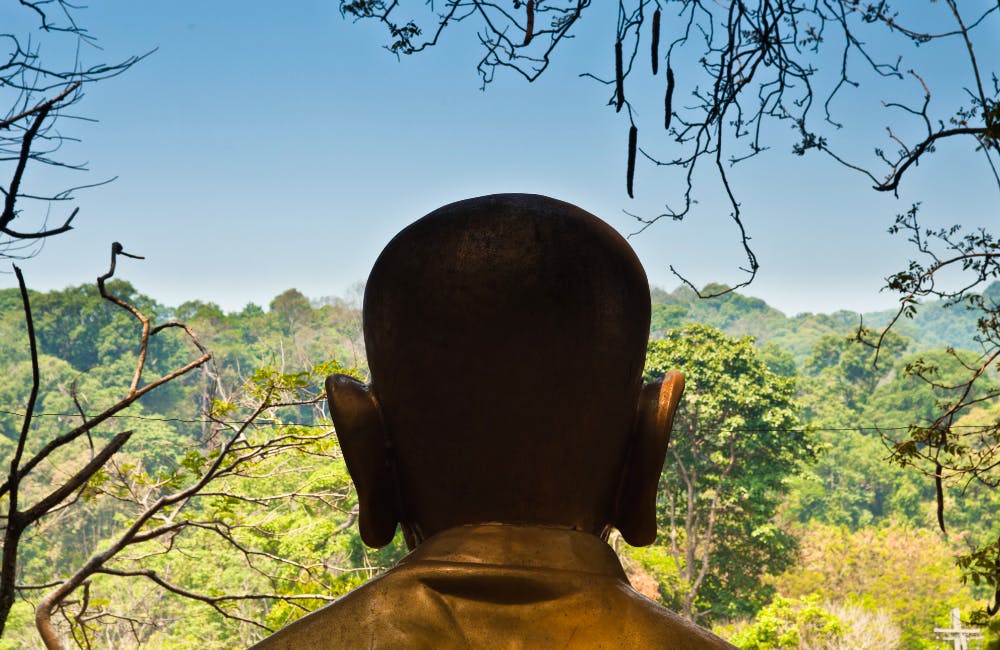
x,y
497,586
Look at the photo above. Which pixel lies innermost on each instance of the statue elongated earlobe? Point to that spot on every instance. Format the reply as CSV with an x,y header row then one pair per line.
x,y
636,512
358,420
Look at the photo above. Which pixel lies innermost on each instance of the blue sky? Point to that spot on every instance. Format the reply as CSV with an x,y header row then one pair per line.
x,y
265,146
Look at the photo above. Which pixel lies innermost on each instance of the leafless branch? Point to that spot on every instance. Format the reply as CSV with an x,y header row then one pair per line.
x,y
761,62
19,518
39,93
135,391
16,524
156,514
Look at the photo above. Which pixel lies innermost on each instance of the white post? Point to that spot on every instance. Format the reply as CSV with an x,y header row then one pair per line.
x,y
956,624
958,635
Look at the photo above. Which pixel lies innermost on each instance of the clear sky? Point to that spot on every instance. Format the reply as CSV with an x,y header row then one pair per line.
x,y
266,145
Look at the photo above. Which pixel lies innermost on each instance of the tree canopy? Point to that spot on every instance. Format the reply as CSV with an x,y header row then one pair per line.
x,y
736,440
289,507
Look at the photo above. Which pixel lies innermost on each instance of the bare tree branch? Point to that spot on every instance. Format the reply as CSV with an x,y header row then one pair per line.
x,y
18,519
761,62
15,524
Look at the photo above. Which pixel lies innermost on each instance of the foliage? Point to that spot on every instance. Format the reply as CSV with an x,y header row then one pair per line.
x,y
808,622
247,523
906,572
839,507
31,456
801,623
952,266
736,440
851,484
933,327
734,71
660,563
244,509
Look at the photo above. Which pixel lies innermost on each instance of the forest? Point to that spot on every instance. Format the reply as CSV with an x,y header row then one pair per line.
x,y
173,479
782,521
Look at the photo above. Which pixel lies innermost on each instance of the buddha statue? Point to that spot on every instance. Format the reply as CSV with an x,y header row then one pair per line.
x,y
506,430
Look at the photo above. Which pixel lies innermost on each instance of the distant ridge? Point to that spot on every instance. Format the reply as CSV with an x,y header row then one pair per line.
x,y
737,314
934,327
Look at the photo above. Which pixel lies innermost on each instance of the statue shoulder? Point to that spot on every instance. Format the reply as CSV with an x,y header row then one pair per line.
x,y
341,624
406,608
650,625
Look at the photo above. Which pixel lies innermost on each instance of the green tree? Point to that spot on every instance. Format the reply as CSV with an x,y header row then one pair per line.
x,y
851,484
292,309
252,526
920,384
800,623
269,537
731,73
907,572
849,364
32,492
736,440
810,623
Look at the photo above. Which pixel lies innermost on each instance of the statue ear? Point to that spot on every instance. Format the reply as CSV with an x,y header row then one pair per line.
x,y
635,515
357,418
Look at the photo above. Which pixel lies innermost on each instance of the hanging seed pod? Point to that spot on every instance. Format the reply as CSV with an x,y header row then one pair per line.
x,y
530,23
633,138
655,50
669,99
619,78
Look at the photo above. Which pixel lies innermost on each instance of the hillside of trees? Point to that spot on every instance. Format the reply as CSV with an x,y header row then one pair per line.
x,y
817,540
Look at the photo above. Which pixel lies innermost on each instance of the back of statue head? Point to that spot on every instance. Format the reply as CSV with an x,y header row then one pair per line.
x,y
505,338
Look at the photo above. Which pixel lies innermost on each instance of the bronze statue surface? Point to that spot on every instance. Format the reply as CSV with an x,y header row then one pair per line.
x,y
506,430
498,586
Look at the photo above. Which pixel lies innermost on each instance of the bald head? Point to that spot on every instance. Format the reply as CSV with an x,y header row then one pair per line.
x,y
506,336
